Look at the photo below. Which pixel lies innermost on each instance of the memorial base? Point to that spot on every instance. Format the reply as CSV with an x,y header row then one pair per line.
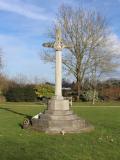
x,y
59,118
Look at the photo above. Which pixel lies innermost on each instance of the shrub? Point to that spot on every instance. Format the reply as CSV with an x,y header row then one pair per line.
x,y
44,90
88,96
20,93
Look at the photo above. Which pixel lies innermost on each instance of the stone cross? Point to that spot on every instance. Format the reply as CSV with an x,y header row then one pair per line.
x,y
58,46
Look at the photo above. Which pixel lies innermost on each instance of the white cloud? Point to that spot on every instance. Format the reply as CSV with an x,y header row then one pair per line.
x,y
24,9
114,43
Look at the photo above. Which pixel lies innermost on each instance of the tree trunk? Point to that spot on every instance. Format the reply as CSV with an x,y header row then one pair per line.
x,y
78,85
94,96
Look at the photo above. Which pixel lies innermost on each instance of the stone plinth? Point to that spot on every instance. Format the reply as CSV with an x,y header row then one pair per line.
x,y
58,117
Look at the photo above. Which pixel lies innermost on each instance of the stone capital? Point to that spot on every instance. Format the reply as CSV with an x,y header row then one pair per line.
x,y
58,46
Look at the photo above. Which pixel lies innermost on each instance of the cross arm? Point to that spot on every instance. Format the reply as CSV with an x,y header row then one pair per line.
x,y
68,46
48,45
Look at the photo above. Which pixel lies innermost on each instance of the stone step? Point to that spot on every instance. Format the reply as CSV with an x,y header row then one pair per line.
x,y
67,124
56,126
69,130
59,117
59,112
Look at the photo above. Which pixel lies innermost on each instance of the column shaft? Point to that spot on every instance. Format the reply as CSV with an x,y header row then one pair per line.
x,y
58,75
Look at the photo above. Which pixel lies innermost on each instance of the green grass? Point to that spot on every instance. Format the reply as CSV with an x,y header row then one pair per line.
x,y
109,103
18,144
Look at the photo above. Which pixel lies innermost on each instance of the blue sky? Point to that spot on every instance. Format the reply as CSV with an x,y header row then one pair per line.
x,y
23,28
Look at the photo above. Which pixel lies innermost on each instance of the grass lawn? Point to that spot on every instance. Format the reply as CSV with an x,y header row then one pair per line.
x,y
18,144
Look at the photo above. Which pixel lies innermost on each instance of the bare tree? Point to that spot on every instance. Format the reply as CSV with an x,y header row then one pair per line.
x,y
87,32
21,79
1,61
103,61
4,84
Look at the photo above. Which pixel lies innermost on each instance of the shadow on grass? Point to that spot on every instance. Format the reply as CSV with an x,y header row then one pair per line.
x,y
18,113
